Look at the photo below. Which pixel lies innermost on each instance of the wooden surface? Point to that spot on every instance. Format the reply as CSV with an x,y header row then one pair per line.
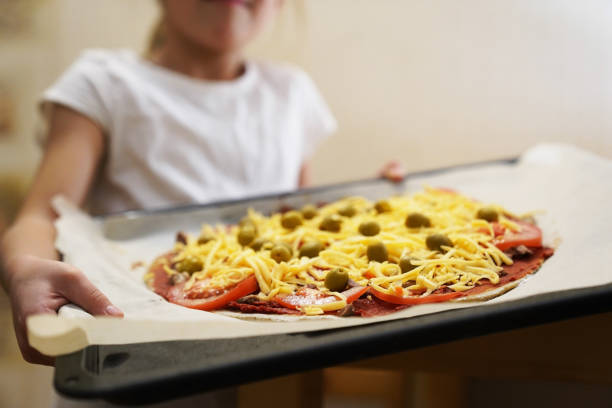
x,y
576,350
573,350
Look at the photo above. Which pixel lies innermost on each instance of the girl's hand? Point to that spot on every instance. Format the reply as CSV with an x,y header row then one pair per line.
x,y
43,286
393,171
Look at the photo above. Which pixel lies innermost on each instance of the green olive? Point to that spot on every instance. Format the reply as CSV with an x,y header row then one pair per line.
x,y
488,214
311,249
382,206
436,241
291,219
369,228
417,220
405,263
377,251
247,221
309,211
261,243
281,252
189,264
246,235
336,280
205,237
331,223
347,211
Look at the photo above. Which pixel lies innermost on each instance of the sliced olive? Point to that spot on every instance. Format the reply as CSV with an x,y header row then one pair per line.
x,y
177,278
436,241
261,243
336,280
311,249
247,221
181,237
205,237
369,228
377,251
382,206
331,223
281,253
347,211
405,263
488,214
417,220
189,264
291,219
246,235
309,211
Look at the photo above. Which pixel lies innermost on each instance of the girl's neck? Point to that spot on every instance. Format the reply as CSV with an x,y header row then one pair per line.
x,y
196,61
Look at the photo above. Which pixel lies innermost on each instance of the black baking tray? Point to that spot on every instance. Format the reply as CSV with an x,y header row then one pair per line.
x,y
158,371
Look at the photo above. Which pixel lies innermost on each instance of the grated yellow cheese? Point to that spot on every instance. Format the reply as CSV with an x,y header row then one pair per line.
x,y
472,258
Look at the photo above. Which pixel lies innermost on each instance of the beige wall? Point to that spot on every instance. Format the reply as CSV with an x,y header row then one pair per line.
x,y
430,82
435,82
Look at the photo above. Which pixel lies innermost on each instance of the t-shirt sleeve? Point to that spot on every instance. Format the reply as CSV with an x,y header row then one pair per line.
x,y
84,87
318,121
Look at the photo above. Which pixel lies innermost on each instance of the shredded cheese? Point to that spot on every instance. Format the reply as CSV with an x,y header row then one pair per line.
x,y
223,262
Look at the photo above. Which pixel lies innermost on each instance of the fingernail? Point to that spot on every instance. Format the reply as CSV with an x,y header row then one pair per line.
x,y
113,311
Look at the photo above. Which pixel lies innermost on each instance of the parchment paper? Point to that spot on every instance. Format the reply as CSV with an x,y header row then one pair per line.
x,y
571,188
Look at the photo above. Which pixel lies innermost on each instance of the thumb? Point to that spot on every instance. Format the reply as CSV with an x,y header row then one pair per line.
x,y
79,290
393,171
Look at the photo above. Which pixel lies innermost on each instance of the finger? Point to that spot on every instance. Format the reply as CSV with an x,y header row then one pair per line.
x,y
387,166
393,171
394,175
79,290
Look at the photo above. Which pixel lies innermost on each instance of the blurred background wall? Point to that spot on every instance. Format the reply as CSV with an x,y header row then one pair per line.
x,y
429,82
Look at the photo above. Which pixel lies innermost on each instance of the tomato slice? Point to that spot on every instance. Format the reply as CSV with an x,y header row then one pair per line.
x,y
160,283
415,300
498,229
354,293
529,235
314,297
210,298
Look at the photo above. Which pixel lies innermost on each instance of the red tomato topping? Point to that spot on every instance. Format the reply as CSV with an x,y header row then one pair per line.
x,y
203,298
354,293
369,274
415,300
529,235
498,229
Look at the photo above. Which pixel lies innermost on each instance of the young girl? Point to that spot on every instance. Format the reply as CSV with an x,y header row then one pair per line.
x,y
194,122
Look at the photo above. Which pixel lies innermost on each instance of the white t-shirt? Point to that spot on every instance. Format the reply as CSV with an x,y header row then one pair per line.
x,y
173,139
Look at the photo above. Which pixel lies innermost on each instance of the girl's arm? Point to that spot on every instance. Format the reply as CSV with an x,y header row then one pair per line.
x,y
305,175
31,274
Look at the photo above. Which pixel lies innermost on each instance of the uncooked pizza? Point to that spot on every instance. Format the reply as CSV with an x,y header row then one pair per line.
x,y
353,257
